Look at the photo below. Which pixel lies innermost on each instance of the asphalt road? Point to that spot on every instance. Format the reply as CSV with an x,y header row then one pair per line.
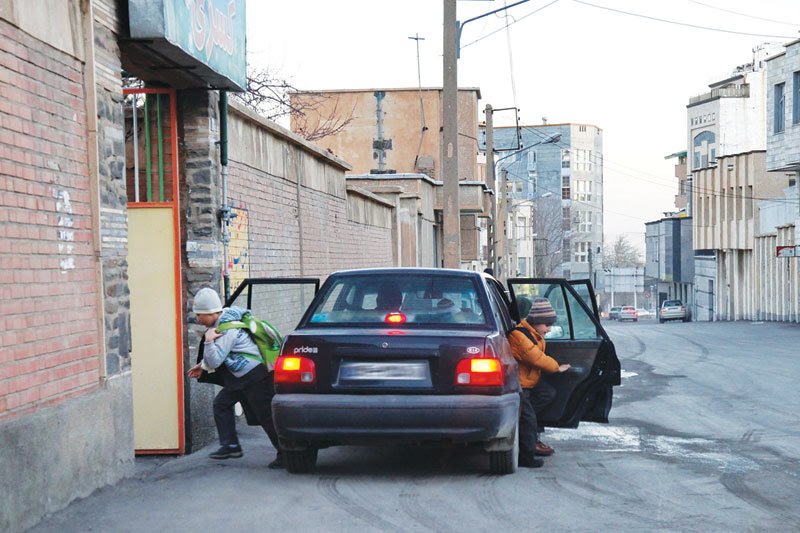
x,y
704,436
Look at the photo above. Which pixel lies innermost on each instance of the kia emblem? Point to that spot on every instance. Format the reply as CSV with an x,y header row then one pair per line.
x,y
384,345
473,350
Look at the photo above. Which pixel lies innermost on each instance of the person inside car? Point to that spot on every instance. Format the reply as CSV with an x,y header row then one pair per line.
x,y
528,346
389,298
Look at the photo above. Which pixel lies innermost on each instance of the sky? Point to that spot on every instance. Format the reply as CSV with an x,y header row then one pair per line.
x,y
567,60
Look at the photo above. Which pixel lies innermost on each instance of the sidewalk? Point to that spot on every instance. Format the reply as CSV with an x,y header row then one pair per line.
x,y
184,493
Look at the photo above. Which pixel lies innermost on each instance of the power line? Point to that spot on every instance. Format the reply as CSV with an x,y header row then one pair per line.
x,y
608,163
510,59
677,23
743,14
509,24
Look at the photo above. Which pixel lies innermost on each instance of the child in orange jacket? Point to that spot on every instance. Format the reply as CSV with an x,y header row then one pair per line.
x,y
528,346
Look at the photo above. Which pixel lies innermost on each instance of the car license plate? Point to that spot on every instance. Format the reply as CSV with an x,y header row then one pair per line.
x,y
374,370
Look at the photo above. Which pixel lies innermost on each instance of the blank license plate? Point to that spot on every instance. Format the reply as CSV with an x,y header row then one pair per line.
x,y
397,370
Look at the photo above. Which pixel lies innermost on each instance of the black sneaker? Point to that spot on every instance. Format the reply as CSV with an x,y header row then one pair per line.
x,y
277,464
533,463
227,452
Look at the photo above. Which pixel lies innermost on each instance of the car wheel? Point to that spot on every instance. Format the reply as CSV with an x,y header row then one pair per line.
x,y
636,320
302,461
505,462
660,320
686,319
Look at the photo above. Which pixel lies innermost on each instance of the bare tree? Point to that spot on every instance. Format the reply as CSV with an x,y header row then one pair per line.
x,y
548,226
313,123
621,254
269,95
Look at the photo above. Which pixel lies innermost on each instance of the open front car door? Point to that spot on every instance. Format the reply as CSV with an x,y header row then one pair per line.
x,y
280,301
585,391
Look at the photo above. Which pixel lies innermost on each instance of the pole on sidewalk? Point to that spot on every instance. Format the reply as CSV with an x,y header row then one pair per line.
x,y
502,231
451,222
491,184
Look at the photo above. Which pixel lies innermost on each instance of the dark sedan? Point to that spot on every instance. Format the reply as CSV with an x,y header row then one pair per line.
x,y
420,356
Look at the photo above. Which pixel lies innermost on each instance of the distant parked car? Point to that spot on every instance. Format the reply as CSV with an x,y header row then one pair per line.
x,y
628,313
613,313
644,313
673,310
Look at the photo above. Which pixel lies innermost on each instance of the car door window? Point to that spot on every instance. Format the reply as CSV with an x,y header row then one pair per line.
x,y
583,326
499,307
280,301
555,294
584,289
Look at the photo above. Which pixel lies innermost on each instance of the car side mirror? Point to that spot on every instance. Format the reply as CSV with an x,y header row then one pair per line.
x,y
556,332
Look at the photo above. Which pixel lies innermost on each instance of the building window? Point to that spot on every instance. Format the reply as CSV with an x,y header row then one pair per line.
x,y
704,149
581,252
779,111
583,191
585,221
565,159
566,223
796,99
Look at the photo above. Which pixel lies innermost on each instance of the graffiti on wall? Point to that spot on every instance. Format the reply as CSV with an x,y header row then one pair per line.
x,y
239,247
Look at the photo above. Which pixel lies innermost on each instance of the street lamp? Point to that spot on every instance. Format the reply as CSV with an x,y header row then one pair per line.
x,y
503,207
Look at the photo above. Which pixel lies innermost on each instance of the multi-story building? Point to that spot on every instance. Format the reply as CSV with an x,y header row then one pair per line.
x,y
669,259
779,294
391,135
728,123
557,185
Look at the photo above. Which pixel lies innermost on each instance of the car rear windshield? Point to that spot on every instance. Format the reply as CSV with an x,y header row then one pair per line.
x,y
411,300
671,303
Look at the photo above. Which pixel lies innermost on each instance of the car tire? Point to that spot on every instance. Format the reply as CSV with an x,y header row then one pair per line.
x,y
636,320
302,461
502,463
660,320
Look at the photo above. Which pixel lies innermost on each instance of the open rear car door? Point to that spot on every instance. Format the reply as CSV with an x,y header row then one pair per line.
x,y
585,391
280,301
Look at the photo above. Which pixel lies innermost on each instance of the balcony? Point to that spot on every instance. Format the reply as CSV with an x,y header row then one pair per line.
x,y
733,91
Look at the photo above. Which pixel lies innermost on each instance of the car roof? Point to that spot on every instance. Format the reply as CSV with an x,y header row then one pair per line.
x,y
409,271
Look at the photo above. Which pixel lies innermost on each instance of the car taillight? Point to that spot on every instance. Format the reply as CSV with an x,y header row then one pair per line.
x,y
636,313
480,372
395,318
294,369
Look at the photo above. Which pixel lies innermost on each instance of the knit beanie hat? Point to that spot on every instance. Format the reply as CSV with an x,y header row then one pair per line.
x,y
541,312
206,302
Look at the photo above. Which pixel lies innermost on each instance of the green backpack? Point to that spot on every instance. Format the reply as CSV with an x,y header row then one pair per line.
x,y
263,334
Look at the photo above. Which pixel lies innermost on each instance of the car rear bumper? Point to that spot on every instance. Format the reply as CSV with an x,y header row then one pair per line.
x,y
670,315
322,419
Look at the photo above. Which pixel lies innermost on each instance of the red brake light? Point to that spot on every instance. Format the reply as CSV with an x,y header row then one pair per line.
x,y
395,318
479,371
295,369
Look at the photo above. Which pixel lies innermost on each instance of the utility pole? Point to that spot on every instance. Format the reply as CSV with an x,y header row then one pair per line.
x,y
502,219
451,209
491,229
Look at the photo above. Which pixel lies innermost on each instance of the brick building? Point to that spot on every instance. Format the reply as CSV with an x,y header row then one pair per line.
x,y
109,202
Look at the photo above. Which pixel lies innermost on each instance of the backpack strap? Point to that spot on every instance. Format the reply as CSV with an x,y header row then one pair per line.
x,y
525,331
